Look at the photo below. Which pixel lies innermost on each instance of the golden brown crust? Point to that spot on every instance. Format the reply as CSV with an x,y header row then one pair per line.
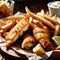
x,y
28,39
16,31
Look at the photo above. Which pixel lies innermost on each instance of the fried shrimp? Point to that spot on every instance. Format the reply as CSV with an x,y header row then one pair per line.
x,y
28,41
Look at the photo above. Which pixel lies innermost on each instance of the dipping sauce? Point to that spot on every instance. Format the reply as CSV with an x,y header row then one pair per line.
x,y
55,4
54,8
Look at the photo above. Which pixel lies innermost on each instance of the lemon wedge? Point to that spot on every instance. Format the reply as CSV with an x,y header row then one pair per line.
x,y
38,50
56,40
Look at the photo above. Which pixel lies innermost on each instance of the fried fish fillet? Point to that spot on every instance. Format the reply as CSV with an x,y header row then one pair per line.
x,y
42,35
16,32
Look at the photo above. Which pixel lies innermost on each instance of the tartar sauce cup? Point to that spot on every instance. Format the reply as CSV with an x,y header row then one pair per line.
x,y
54,8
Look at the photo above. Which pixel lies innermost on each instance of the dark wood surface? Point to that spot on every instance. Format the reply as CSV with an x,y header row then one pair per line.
x,y
34,6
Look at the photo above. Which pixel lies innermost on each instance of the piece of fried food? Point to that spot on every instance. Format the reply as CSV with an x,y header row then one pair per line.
x,y
7,26
39,18
41,34
15,17
47,17
28,41
16,32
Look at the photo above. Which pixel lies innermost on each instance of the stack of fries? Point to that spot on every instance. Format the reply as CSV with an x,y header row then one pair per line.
x,y
40,29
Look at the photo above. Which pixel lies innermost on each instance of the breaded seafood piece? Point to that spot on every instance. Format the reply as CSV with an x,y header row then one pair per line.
x,y
28,41
16,32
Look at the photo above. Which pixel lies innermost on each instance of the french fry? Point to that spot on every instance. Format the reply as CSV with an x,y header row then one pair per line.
x,y
15,17
42,12
2,21
46,16
6,27
18,17
39,13
51,20
56,30
39,18
58,48
55,17
47,13
1,31
3,2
